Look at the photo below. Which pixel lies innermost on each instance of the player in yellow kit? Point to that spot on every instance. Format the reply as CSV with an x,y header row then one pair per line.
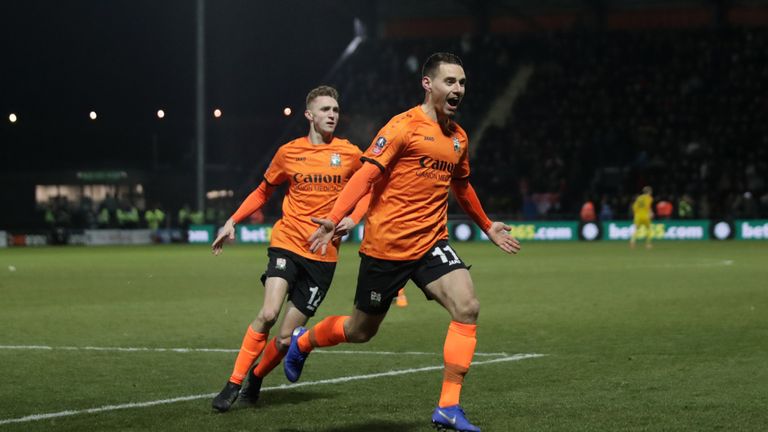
x,y
643,214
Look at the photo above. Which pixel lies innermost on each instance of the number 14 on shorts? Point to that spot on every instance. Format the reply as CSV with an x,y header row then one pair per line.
x,y
315,298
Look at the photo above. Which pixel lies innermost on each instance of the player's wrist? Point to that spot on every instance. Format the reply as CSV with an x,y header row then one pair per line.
x,y
486,225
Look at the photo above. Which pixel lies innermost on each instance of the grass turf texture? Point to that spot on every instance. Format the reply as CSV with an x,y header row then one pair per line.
x,y
669,339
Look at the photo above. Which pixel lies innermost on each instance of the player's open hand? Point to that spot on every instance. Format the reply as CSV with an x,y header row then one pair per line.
x,y
499,235
226,232
343,228
322,236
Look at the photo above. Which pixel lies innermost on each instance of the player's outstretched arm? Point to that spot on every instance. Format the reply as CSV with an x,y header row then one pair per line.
x,y
498,232
253,202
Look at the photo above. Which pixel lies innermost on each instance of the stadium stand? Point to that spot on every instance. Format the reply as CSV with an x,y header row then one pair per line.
x,y
603,114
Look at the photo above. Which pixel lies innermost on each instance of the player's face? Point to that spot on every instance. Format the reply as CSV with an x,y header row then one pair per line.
x,y
447,88
323,112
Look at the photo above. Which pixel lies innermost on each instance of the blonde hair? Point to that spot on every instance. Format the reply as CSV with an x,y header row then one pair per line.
x,y
322,90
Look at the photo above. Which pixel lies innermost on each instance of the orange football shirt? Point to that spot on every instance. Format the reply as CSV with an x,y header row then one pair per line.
x,y
316,173
409,204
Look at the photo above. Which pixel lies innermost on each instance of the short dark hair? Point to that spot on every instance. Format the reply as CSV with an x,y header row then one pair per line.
x,y
322,90
433,62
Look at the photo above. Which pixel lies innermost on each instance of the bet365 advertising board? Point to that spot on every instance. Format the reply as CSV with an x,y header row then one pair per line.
x,y
523,231
755,229
660,230
697,229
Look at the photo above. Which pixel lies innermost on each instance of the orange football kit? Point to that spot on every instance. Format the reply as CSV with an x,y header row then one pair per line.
x,y
411,166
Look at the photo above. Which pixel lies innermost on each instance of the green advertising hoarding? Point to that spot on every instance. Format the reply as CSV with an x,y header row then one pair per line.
x,y
253,233
458,231
200,233
660,230
263,234
524,231
755,229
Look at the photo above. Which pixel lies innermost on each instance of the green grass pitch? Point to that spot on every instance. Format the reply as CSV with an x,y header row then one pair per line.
x,y
672,339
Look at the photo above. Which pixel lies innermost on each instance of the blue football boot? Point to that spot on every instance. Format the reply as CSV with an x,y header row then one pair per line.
x,y
294,359
452,418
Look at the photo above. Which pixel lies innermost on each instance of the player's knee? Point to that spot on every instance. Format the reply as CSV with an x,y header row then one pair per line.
x,y
467,311
268,317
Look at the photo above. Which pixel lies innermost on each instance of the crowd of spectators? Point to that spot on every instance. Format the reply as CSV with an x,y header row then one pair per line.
x,y
607,113
113,213
603,114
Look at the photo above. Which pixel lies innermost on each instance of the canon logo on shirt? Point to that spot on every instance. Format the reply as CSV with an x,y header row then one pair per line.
x,y
436,164
317,178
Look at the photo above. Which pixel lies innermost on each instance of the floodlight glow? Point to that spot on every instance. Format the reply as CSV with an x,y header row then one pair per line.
x,y
287,111
160,113
12,118
92,115
217,113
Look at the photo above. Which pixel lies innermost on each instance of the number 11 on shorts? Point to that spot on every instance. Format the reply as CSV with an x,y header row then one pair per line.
x,y
438,252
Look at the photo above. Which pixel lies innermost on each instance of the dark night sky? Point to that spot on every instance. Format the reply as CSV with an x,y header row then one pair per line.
x,y
126,59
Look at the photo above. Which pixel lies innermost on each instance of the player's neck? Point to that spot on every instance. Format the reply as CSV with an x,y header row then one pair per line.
x,y
442,120
429,110
316,137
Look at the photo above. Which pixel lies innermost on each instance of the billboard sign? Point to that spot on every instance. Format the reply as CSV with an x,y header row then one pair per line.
x,y
755,229
524,231
200,234
661,230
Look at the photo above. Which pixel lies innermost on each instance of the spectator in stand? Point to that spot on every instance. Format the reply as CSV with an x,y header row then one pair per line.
x,y
50,217
196,217
587,213
256,217
664,209
606,211
182,218
154,217
128,216
685,207
211,214
104,218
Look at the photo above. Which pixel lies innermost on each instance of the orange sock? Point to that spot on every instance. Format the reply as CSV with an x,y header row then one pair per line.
x,y
271,358
457,354
252,345
328,332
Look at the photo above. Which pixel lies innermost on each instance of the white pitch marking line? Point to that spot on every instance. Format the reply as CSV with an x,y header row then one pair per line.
x,y
415,353
718,263
69,413
218,350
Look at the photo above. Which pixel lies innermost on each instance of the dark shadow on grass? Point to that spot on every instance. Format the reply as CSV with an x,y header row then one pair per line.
x,y
282,398
370,426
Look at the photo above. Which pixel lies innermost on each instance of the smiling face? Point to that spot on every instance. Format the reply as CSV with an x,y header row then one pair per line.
x,y
323,113
446,88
